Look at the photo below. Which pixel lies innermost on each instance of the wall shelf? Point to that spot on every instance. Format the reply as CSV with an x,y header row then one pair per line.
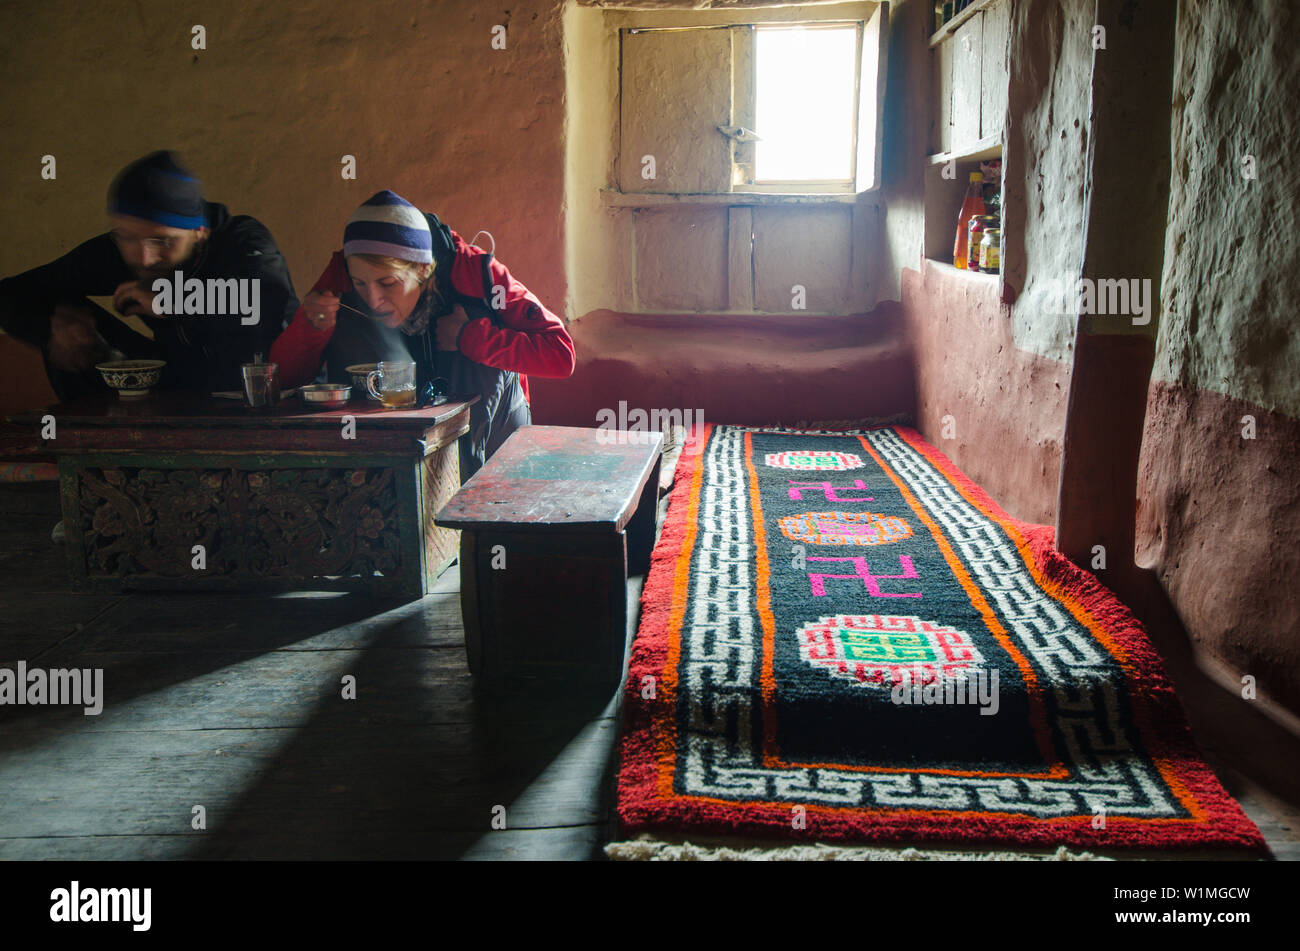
x,y
943,198
971,76
989,147
951,27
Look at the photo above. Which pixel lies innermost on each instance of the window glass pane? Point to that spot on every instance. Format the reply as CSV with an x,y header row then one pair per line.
x,y
805,103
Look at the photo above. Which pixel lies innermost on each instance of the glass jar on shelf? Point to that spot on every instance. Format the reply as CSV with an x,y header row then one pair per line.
x,y
991,250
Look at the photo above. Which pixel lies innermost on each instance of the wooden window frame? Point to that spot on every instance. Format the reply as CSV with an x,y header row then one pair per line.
x,y
743,84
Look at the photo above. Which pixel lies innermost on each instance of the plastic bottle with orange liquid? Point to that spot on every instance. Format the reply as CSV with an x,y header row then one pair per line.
x,y
972,204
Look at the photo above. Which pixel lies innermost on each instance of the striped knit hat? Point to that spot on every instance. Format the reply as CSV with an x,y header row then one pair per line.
x,y
390,225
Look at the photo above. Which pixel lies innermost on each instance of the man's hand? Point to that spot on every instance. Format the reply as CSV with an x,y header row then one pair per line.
x,y
449,327
75,344
133,298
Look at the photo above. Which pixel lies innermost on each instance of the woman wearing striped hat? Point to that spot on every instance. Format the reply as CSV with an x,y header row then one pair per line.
x,y
427,296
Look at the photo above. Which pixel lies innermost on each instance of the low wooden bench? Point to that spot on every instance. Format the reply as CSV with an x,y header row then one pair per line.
x,y
549,529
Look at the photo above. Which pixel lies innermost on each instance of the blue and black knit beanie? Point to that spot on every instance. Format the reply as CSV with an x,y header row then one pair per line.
x,y
160,189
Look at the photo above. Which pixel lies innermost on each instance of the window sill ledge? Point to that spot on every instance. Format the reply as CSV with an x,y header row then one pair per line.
x,y
617,199
945,268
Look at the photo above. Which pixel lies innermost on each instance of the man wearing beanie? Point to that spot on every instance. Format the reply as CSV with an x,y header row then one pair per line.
x,y
407,288
159,225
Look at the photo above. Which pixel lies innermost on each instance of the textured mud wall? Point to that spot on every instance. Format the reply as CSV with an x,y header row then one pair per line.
x,y
1219,522
1001,372
1045,160
1006,405
1231,284
1219,514
266,112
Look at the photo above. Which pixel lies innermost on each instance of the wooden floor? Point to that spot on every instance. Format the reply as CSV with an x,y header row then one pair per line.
x,y
234,703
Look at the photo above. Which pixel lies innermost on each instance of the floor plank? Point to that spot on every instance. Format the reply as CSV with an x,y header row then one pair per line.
x,y
96,848
568,844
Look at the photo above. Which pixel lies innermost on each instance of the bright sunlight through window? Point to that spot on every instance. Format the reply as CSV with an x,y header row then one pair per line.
x,y
805,103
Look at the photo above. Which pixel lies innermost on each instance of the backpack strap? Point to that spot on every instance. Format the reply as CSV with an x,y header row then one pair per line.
x,y
444,255
486,260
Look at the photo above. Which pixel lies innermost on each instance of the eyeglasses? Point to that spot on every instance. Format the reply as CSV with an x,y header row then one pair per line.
x,y
153,244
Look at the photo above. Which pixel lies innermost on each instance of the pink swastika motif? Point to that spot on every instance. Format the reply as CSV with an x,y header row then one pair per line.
x,y
863,574
845,528
831,491
815,459
881,650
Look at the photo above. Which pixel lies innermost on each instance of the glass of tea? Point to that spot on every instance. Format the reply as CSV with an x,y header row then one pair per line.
x,y
261,384
393,383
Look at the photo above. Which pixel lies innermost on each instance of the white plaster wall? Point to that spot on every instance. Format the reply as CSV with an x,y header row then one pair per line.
x,y
1045,164
597,238
906,119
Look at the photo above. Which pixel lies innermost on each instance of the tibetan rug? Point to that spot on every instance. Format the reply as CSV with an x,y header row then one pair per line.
x,y
845,639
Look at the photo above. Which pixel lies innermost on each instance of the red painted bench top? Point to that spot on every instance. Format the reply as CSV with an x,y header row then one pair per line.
x,y
557,478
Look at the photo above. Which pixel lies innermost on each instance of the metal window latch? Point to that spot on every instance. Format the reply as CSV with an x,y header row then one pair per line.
x,y
740,133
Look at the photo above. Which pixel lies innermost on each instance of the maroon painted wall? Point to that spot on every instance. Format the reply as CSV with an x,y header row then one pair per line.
x,y
737,369
1007,405
1219,523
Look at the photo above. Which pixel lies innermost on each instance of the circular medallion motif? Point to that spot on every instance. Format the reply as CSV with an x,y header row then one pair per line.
x,y
845,528
879,650
814,460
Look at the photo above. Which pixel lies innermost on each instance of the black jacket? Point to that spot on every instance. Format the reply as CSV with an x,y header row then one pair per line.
x,y
202,353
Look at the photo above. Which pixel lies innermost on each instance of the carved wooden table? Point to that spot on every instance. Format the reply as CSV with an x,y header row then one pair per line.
x,y
181,491
549,527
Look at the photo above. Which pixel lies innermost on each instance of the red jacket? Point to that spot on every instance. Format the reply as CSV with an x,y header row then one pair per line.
x,y
530,340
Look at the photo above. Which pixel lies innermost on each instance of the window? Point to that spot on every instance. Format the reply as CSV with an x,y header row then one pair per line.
x,y
768,106
805,103
725,161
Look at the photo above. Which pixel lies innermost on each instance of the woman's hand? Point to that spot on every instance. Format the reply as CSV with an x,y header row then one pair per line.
x,y
449,327
321,308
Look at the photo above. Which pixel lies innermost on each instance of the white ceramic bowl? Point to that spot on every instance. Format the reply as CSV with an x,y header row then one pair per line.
x,y
131,378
